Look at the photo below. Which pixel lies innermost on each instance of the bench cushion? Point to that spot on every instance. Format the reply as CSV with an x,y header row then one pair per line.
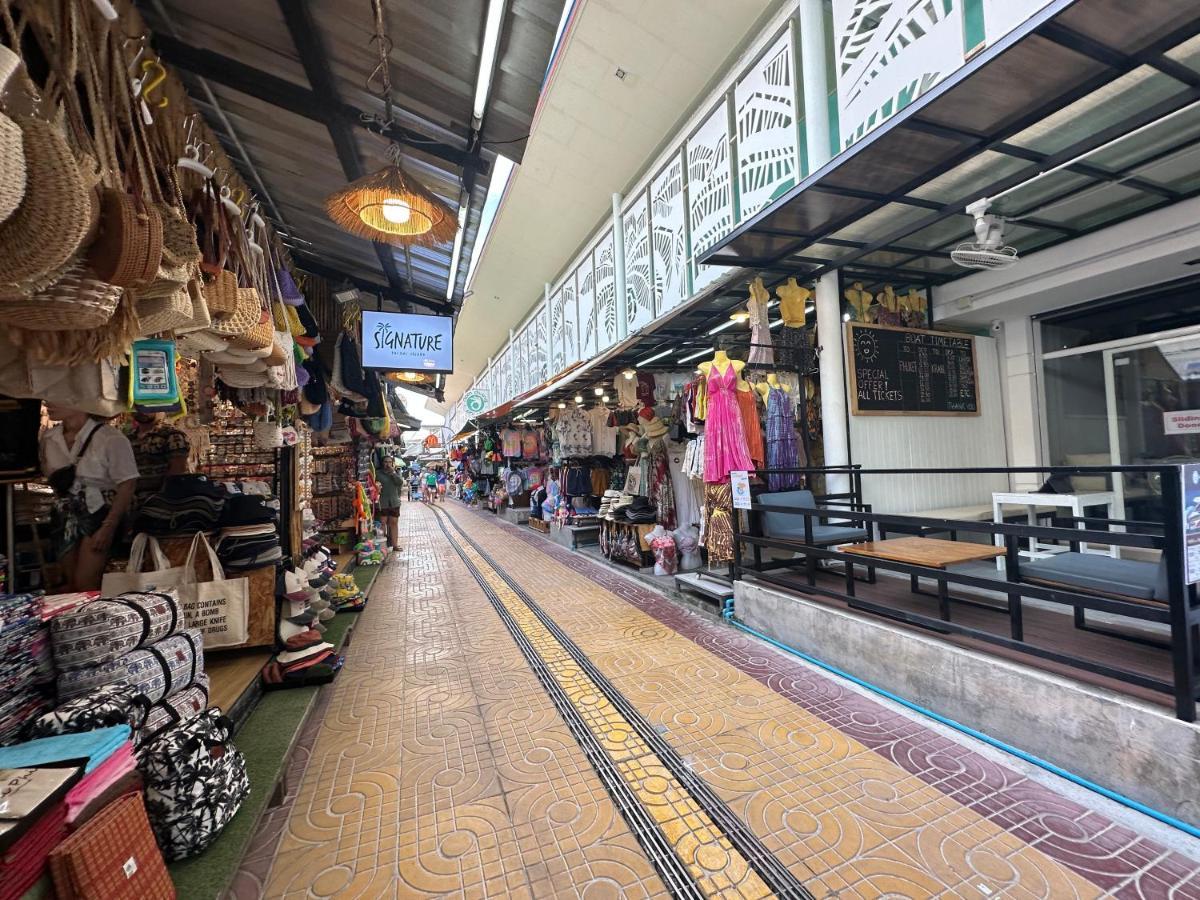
x,y
791,527
835,534
1102,574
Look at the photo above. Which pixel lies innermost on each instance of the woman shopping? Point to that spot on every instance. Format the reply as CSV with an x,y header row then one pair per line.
x,y
92,470
391,486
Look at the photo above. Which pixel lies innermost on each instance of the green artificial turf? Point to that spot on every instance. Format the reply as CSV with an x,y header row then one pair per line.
x,y
264,741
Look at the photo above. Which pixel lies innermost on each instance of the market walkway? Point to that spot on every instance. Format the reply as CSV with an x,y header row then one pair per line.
x,y
517,721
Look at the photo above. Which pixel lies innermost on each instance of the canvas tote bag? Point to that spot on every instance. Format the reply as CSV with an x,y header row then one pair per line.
x,y
162,577
219,608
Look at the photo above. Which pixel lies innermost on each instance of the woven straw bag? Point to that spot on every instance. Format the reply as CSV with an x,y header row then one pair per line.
x,y
260,334
128,247
38,241
221,294
180,255
268,434
244,315
76,302
159,314
199,319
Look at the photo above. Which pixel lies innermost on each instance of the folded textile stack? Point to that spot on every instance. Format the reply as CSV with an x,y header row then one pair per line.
x,y
94,747
345,595
186,504
56,604
22,648
33,821
370,553
318,664
249,537
116,776
640,512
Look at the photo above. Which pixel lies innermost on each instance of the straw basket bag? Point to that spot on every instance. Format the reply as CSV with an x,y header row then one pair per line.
x,y
128,248
200,319
159,314
244,315
76,302
260,334
12,149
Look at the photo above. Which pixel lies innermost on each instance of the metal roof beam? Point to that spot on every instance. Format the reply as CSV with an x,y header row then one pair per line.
x,y
298,100
401,297
1146,116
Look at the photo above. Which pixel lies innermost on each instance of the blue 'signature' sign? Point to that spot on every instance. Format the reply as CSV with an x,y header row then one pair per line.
x,y
407,342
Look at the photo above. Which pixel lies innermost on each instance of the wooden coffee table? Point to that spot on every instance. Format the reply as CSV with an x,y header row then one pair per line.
x,y
933,553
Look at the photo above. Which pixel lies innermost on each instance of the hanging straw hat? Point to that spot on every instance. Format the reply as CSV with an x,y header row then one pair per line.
x,y
78,301
12,149
55,215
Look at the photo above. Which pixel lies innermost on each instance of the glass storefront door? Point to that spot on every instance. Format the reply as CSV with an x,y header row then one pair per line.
x,y
1135,402
1153,396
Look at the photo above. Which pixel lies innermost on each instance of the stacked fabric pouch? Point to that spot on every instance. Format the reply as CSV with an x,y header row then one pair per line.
x,y
103,630
172,710
113,704
156,671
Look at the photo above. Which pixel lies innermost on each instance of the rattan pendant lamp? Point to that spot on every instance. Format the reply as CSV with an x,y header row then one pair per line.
x,y
390,205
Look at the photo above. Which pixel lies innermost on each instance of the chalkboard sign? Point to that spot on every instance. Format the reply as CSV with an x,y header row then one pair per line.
x,y
908,372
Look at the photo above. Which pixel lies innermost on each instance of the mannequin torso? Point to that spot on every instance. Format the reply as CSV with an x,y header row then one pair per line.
x,y
792,302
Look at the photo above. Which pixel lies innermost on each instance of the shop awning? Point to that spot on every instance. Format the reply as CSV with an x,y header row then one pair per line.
x,y
1115,77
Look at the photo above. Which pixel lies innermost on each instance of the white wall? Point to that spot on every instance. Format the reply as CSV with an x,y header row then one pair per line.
x,y
943,442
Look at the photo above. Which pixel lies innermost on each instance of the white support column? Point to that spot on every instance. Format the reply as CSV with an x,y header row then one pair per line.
x,y
815,82
833,381
619,266
1022,409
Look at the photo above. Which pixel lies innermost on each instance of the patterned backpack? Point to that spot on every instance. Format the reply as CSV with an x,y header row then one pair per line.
x,y
195,783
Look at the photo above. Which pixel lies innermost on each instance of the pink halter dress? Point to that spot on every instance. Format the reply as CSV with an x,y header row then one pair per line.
x,y
724,438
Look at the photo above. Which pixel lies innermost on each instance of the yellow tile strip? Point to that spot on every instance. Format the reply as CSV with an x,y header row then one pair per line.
x,y
717,868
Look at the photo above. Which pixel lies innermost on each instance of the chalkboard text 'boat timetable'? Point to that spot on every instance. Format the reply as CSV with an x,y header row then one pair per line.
x,y
910,372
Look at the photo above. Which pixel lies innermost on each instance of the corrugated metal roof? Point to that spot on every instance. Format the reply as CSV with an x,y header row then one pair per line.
x,y
294,159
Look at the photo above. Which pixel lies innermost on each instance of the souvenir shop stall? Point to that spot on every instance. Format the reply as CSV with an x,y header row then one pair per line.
x,y
182,419
639,455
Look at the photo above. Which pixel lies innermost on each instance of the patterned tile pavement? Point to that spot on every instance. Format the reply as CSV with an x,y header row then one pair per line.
x,y
438,765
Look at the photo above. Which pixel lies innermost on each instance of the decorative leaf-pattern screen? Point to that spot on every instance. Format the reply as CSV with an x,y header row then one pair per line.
x,y
571,329
668,237
585,279
768,154
710,190
606,293
557,346
639,288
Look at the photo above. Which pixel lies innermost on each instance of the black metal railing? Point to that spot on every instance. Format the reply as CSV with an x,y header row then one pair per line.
x,y
806,556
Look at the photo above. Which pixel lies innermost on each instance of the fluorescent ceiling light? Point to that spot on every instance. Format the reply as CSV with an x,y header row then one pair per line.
x,y
650,359
703,352
722,326
776,323
487,57
456,255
